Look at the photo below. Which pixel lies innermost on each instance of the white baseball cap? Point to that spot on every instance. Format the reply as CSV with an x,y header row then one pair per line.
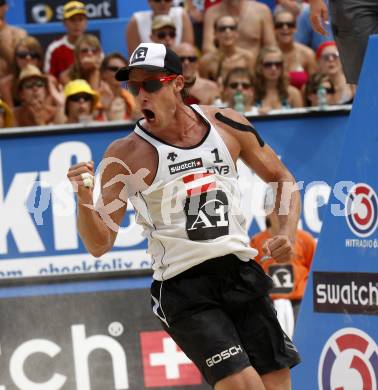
x,y
151,56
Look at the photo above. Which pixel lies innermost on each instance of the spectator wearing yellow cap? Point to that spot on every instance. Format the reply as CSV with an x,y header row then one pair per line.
x,y
28,51
35,93
6,115
163,30
60,53
81,101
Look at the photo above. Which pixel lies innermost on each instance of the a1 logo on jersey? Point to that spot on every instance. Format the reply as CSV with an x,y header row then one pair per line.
x,y
164,364
283,278
206,208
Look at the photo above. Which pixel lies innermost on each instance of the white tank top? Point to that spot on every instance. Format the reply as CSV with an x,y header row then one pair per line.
x,y
144,22
191,212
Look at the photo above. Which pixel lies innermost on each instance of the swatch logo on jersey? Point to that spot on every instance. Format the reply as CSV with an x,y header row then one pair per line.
x,y
361,210
164,364
184,165
349,361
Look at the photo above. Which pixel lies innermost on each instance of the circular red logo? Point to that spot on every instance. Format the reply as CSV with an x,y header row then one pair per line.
x,y
361,210
349,361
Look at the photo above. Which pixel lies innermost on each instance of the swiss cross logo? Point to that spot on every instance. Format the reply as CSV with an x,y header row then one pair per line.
x,y
164,364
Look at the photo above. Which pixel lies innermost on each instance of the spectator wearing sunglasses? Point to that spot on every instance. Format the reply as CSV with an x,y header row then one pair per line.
x,y
60,53
28,51
163,30
206,291
9,37
140,25
330,65
81,101
35,94
203,91
123,105
6,115
272,89
239,80
88,58
317,81
218,63
299,59
304,32
255,24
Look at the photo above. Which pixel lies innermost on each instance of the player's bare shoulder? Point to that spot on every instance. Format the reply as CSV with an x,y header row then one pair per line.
x,y
232,124
134,154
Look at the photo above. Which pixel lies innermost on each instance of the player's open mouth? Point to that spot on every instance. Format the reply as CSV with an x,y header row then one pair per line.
x,y
149,115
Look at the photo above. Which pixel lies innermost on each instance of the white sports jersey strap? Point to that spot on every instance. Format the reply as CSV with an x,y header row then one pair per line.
x,y
221,143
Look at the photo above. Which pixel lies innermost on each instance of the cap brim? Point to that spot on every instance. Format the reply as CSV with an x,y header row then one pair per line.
x,y
123,73
159,26
76,12
37,76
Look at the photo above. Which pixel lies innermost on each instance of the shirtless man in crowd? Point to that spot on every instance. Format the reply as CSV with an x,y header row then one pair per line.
x,y
255,24
203,91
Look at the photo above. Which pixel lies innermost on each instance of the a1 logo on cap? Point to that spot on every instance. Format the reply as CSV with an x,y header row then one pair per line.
x,y
139,55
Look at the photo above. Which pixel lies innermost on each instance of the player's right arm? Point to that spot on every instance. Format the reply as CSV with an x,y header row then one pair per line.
x,y
98,226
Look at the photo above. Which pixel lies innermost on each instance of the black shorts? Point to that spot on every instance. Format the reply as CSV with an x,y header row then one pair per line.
x,y
220,315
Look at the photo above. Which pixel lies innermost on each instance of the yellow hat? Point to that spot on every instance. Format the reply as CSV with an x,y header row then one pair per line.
x,y
160,21
80,86
28,72
8,114
73,8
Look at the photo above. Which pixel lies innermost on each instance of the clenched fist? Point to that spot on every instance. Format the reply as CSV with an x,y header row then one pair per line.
x,y
279,247
81,176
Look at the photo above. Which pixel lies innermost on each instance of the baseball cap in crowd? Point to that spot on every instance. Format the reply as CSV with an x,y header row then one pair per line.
x,y
80,86
73,8
160,21
154,57
4,109
320,49
28,72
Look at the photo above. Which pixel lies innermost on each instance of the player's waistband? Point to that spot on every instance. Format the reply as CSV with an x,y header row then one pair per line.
x,y
214,266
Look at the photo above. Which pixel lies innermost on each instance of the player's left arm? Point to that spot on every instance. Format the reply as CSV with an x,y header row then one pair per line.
x,y
263,160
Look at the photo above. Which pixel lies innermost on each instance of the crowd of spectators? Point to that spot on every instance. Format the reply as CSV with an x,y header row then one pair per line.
x,y
236,53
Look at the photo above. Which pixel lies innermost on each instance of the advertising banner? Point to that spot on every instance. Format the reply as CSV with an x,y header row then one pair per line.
x,y
38,232
103,336
337,330
52,11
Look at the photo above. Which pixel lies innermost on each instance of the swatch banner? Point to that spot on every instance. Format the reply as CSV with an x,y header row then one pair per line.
x,y
337,328
38,231
52,11
112,342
